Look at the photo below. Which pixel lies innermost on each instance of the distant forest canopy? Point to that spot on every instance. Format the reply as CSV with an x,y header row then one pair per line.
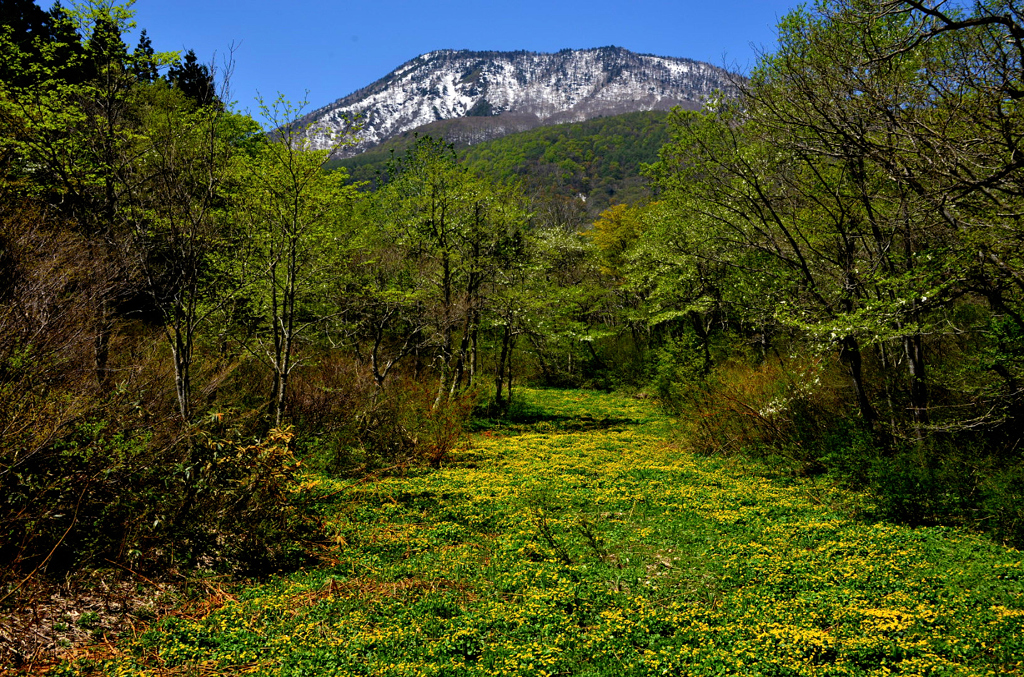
x,y
599,159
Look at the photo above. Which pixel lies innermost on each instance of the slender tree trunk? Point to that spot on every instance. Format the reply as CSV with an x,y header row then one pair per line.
x,y
287,321
851,356
887,368
702,333
544,368
473,349
499,376
442,381
914,349
445,358
460,365
508,369
101,343
181,350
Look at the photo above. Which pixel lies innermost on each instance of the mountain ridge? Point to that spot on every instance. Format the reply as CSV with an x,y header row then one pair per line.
x,y
513,91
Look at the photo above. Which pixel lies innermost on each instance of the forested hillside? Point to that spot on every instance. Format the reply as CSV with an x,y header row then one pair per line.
x,y
598,160
203,324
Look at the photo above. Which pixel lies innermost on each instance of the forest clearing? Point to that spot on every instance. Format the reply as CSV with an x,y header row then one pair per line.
x,y
256,396
578,540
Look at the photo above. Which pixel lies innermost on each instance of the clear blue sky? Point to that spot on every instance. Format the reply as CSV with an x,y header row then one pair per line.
x,y
332,48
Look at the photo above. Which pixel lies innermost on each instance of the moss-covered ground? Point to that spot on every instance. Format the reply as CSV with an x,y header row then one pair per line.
x,y
580,542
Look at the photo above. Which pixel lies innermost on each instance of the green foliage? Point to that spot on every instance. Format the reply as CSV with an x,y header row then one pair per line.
x,y
599,159
291,250
821,283
450,247
794,416
239,504
112,207
816,235
213,499
680,373
561,547
65,505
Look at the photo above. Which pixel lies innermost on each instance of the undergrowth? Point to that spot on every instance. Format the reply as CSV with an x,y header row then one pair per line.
x,y
795,413
572,539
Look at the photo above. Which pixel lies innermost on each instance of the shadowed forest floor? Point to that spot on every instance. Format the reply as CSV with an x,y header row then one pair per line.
x,y
576,540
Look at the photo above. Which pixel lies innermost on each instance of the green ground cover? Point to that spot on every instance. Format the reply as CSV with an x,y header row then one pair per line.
x,y
579,542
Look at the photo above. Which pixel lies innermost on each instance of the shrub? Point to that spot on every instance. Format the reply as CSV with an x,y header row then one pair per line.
x,y
680,374
238,504
410,424
788,405
796,411
347,426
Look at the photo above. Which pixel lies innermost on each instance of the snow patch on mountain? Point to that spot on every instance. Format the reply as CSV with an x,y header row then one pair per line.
x,y
569,86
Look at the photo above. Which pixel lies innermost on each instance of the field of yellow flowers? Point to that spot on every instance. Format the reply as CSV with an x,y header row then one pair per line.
x,y
581,542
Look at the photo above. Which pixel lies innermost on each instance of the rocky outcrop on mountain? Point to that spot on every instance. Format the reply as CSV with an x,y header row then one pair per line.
x,y
495,93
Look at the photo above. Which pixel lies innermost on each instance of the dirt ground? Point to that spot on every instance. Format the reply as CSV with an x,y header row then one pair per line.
x,y
43,622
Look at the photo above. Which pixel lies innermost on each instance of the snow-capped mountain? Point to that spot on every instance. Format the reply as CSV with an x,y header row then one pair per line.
x,y
514,91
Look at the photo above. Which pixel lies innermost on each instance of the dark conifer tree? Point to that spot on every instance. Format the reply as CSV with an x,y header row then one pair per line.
x,y
26,21
143,64
68,52
194,80
106,50
27,24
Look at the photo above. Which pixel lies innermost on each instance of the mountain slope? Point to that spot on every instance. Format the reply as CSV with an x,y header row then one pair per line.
x,y
500,92
598,160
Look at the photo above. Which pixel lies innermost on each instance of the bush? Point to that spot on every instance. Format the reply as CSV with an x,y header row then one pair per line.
x,y
347,426
238,504
950,482
409,424
100,495
67,504
326,403
787,405
1002,503
680,374
793,411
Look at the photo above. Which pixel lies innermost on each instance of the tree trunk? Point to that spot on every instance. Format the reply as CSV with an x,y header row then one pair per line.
x,y
851,357
914,349
460,365
474,349
499,377
101,344
181,350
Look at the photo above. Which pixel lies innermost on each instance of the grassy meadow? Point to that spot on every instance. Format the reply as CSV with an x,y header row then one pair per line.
x,y
576,539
